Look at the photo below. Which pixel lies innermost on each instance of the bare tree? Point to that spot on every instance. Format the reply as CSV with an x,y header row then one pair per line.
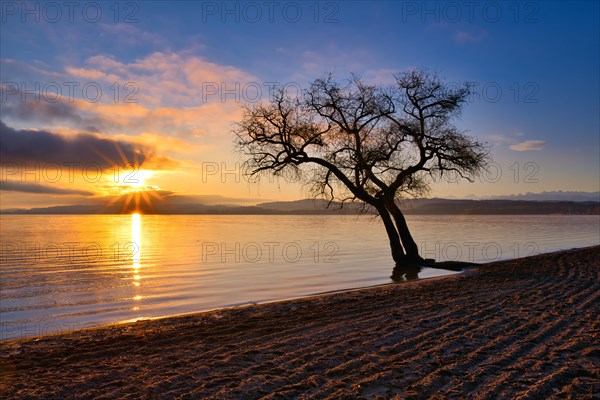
x,y
367,143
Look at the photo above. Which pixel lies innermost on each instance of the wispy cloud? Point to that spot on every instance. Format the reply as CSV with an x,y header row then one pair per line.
x,y
32,109
528,145
167,79
514,144
462,37
170,94
499,139
125,34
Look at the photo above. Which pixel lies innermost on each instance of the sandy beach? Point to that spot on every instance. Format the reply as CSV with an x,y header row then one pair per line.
x,y
525,328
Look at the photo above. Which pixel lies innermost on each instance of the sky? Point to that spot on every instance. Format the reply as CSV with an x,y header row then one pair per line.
x,y
89,87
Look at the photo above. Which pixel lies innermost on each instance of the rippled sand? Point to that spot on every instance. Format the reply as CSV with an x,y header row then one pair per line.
x,y
526,328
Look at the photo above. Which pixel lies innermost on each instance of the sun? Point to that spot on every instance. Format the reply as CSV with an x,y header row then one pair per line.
x,y
141,177
133,192
135,179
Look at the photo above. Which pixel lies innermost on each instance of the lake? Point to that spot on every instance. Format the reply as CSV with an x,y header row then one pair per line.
x,y
66,272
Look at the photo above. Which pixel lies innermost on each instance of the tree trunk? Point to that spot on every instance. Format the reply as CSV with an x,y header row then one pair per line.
x,y
412,250
395,244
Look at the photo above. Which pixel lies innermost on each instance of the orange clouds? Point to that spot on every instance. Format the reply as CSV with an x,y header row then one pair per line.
x,y
166,79
172,98
166,94
158,105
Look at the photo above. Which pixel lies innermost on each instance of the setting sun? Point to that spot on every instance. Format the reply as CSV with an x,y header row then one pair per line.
x,y
134,178
132,193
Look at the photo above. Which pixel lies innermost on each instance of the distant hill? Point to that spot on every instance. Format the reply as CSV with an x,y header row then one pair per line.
x,y
311,206
552,196
446,206
498,207
318,207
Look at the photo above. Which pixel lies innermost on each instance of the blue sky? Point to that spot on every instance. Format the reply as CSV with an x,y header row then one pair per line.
x,y
535,66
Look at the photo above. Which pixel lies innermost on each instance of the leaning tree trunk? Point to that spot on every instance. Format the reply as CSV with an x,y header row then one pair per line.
x,y
395,244
412,250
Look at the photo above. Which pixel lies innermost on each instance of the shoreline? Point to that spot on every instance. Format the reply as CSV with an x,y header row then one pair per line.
x,y
467,270
469,267
445,336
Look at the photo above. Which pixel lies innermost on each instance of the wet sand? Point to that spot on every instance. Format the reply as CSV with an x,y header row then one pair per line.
x,y
526,328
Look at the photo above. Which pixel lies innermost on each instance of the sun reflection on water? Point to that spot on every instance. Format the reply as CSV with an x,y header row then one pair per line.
x,y
136,239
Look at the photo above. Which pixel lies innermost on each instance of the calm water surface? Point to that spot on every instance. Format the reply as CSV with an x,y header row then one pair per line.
x,y
60,273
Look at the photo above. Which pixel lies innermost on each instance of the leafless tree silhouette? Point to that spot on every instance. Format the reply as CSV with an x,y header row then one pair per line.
x,y
370,143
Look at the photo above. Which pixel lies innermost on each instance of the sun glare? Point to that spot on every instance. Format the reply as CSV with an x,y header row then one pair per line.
x,y
132,191
135,179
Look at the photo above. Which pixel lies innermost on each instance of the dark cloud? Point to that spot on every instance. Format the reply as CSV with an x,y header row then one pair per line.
x,y
29,147
39,189
25,106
